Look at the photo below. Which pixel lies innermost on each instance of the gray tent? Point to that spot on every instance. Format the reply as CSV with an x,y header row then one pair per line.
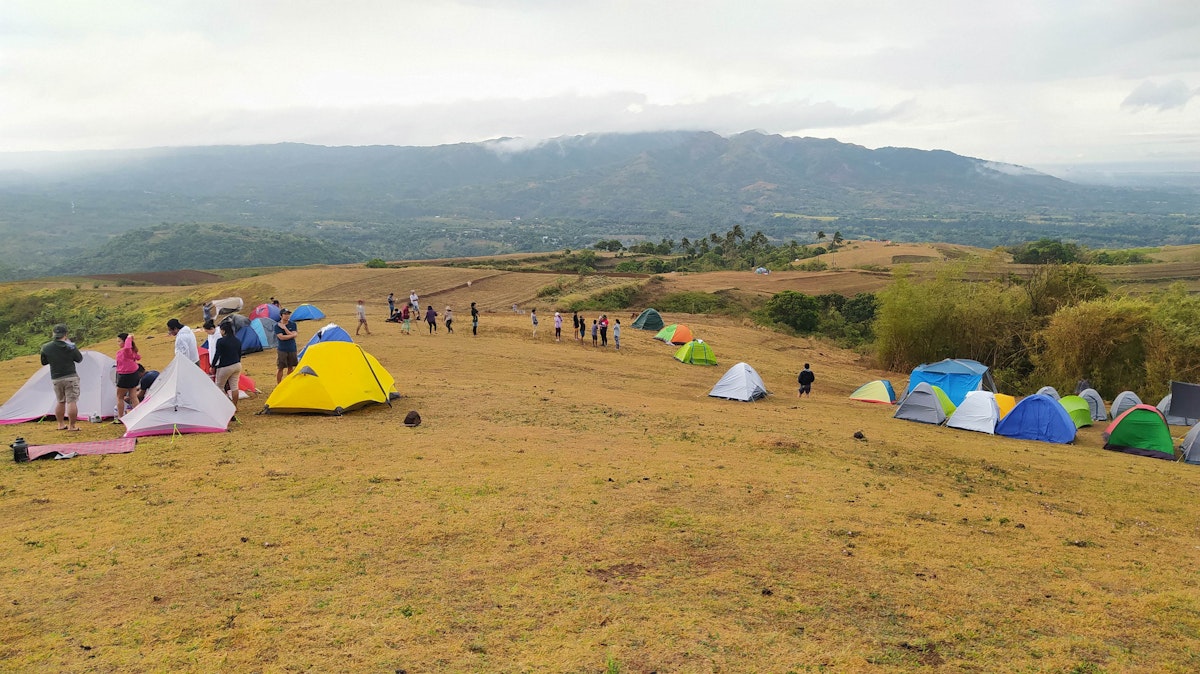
x,y
921,404
1095,402
1123,401
1185,399
1049,391
1191,445
1164,406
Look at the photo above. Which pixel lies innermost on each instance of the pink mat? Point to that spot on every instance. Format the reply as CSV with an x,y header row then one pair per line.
x,y
115,446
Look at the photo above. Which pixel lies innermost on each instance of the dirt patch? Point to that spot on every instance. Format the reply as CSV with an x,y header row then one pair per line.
x,y
182,277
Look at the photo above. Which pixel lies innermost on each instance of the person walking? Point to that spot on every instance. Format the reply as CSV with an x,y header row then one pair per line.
x,y
617,334
603,329
449,318
431,319
61,355
185,341
361,309
128,377
805,379
557,327
227,363
533,314
285,348
474,319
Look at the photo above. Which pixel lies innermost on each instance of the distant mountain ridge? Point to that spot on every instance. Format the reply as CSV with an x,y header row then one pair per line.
x,y
467,198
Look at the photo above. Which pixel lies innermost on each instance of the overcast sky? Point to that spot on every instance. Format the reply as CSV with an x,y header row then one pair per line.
x,y
1032,82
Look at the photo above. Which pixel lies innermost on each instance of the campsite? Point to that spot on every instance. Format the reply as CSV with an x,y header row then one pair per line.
x,y
569,508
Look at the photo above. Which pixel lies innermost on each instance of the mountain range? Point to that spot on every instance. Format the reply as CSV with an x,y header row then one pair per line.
x,y
57,210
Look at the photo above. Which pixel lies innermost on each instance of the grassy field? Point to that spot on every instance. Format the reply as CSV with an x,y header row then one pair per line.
x,y
570,509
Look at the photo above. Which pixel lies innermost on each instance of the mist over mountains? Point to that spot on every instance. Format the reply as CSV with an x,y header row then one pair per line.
x,y
58,210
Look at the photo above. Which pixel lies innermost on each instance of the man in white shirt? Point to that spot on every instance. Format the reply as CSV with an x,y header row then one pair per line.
x,y
185,341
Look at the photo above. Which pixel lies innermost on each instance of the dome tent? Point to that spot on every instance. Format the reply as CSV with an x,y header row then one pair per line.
x,y
978,412
878,391
307,312
675,334
923,404
740,382
1141,430
182,400
1124,400
1078,409
332,378
1095,403
955,376
330,333
1038,417
97,392
648,320
696,352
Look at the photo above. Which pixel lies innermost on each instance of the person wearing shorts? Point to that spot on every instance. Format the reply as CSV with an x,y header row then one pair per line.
x,y
227,363
128,375
61,355
285,351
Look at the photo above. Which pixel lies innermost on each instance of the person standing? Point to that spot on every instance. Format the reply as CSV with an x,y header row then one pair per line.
x,y
533,313
582,329
431,319
575,325
208,311
805,379
603,329
617,334
61,355
406,316
391,304
595,330
415,303
128,378
285,348
227,363
449,318
361,309
474,320
557,327
185,341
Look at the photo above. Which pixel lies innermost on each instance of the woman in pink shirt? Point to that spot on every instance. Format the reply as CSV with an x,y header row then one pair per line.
x,y
128,379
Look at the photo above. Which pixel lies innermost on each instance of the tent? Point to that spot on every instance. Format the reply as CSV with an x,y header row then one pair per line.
x,y
228,305
251,343
696,352
1078,409
333,378
1049,391
762,270
740,382
922,404
97,392
265,329
1164,406
1006,403
330,333
265,311
1191,445
307,312
978,412
1038,417
1095,403
1123,401
955,376
182,400
878,391
1141,430
1185,399
675,334
648,320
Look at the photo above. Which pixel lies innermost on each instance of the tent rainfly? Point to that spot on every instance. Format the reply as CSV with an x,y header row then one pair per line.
x,y
955,376
878,391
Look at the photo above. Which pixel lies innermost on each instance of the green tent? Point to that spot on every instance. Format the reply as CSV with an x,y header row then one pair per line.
x,y
1078,409
648,320
696,352
948,406
1141,430
675,334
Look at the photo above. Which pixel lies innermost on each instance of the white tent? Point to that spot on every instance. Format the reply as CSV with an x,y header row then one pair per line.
x,y
741,382
97,392
1123,401
182,400
1191,445
1095,403
1049,391
978,412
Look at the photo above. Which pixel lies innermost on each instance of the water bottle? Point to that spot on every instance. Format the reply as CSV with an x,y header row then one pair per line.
x,y
20,450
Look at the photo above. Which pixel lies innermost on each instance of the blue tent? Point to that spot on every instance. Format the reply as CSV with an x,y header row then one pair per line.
x,y
1038,417
955,376
249,339
307,312
265,329
330,333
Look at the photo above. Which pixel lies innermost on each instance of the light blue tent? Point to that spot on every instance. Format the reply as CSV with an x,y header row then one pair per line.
x,y
955,376
265,329
307,312
1038,417
330,333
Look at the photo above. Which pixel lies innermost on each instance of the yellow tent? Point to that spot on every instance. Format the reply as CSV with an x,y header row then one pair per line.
x,y
1005,403
332,378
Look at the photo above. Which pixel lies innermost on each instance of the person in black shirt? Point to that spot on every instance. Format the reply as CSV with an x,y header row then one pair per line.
x,y
805,380
474,319
227,363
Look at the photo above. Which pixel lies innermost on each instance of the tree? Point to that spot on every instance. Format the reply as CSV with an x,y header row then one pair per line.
x,y
796,310
820,235
837,238
611,245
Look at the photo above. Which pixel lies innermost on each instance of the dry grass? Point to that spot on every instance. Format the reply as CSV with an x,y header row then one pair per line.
x,y
563,507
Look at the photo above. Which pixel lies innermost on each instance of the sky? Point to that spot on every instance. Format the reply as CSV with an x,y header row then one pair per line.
x,y
1033,82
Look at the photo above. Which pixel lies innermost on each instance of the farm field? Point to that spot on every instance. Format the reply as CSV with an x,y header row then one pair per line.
x,y
565,508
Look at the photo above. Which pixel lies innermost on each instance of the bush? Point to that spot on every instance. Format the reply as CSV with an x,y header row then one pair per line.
x,y
796,310
376,263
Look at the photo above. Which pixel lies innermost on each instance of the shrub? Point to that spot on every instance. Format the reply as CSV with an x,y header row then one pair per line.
x,y
376,263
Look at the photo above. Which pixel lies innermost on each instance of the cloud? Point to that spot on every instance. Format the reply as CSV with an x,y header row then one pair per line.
x,y
1173,94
